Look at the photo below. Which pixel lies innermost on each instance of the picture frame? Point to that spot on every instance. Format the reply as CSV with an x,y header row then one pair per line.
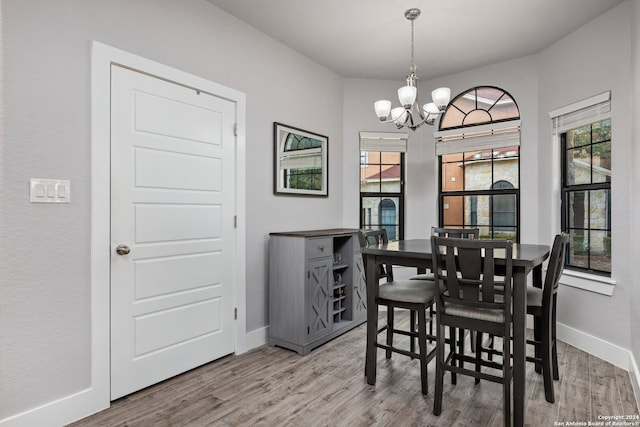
x,y
301,165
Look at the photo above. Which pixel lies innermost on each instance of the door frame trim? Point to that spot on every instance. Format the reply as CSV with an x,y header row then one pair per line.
x,y
103,56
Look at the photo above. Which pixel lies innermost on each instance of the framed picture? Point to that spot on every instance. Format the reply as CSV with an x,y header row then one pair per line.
x,y
300,162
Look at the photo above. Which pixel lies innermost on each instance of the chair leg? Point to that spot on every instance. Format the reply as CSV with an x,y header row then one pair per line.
x,y
433,319
478,351
390,326
547,357
440,343
556,374
554,360
422,343
461,333
506,377
491,342
537,336
452,349
412,328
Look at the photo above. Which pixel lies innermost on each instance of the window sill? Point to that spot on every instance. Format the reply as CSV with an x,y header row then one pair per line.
x,y
589,282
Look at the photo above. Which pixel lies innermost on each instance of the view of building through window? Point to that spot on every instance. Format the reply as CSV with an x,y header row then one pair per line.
x,y
381,192
481,189
304,154
586,204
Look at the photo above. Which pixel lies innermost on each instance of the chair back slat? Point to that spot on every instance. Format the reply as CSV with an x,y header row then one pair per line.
x,y
466,268
460,233
375,238
450,277
555,266
488,276
469,261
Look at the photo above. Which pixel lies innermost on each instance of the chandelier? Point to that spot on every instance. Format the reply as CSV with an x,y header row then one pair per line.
x,y
412,114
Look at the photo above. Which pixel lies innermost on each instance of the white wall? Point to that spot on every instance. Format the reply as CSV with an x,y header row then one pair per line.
x,y
634,205
589,61
44,249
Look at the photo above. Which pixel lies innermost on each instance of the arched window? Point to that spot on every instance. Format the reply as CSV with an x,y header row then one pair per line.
x,y
296,142
480,105
478,144
387,215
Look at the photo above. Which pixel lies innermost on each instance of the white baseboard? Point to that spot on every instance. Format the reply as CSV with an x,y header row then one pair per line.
x,y
605,350
634,373
60,412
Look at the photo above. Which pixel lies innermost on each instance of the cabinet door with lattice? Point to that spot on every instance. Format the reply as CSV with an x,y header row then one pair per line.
x,y
319,297
359,286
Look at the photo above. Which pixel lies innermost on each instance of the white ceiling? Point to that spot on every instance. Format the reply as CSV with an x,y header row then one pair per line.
x,y
371,38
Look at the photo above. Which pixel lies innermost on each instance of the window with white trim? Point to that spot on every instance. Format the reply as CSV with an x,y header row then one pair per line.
x,y
382,159
584,133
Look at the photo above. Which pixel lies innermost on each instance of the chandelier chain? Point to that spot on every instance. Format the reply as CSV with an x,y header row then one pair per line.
x,y
413,62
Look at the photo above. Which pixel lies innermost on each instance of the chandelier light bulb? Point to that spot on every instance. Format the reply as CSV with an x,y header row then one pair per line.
x,y
399,115
383,108
431,108
441,97
407,96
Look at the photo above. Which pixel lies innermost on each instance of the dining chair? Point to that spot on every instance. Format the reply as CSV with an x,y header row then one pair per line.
x,y
461,233
541,304
470,301
413,295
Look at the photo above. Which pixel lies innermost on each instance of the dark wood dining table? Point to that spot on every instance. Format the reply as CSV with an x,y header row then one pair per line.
x,y
417,253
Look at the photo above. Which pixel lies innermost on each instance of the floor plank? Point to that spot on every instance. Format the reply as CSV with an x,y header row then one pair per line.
x,y
270,386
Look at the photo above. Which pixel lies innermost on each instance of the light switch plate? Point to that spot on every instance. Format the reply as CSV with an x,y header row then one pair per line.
x,y
50,190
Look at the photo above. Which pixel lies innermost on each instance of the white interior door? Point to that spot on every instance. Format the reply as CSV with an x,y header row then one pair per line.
x,y
172,207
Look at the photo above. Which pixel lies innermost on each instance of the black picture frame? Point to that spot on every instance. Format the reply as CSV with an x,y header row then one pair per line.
x,y
301,162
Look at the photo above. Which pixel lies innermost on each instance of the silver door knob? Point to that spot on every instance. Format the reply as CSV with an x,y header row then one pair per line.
x,y
123,250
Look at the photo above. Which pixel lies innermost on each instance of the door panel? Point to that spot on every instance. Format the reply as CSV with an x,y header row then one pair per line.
x,y
163,275
158,115
175,171
161,223
319,286
172,204
359,286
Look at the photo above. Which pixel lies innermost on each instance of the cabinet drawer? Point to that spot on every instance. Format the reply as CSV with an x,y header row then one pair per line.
x,y
320,247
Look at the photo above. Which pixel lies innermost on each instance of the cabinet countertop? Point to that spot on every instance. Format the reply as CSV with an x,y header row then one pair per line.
x,y
317,233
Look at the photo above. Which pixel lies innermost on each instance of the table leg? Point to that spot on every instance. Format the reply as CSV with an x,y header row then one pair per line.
x,y
372,320
519,343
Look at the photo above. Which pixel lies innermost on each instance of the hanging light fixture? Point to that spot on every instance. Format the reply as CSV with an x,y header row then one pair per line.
x,y
411,114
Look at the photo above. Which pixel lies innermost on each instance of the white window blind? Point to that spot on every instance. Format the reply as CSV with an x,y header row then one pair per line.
x,y
581,113
478,138
395,142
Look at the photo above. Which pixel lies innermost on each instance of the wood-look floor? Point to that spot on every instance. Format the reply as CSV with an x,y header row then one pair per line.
x,y
270,386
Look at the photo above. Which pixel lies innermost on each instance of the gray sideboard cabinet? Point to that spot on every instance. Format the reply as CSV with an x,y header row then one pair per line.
x,y
317,287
